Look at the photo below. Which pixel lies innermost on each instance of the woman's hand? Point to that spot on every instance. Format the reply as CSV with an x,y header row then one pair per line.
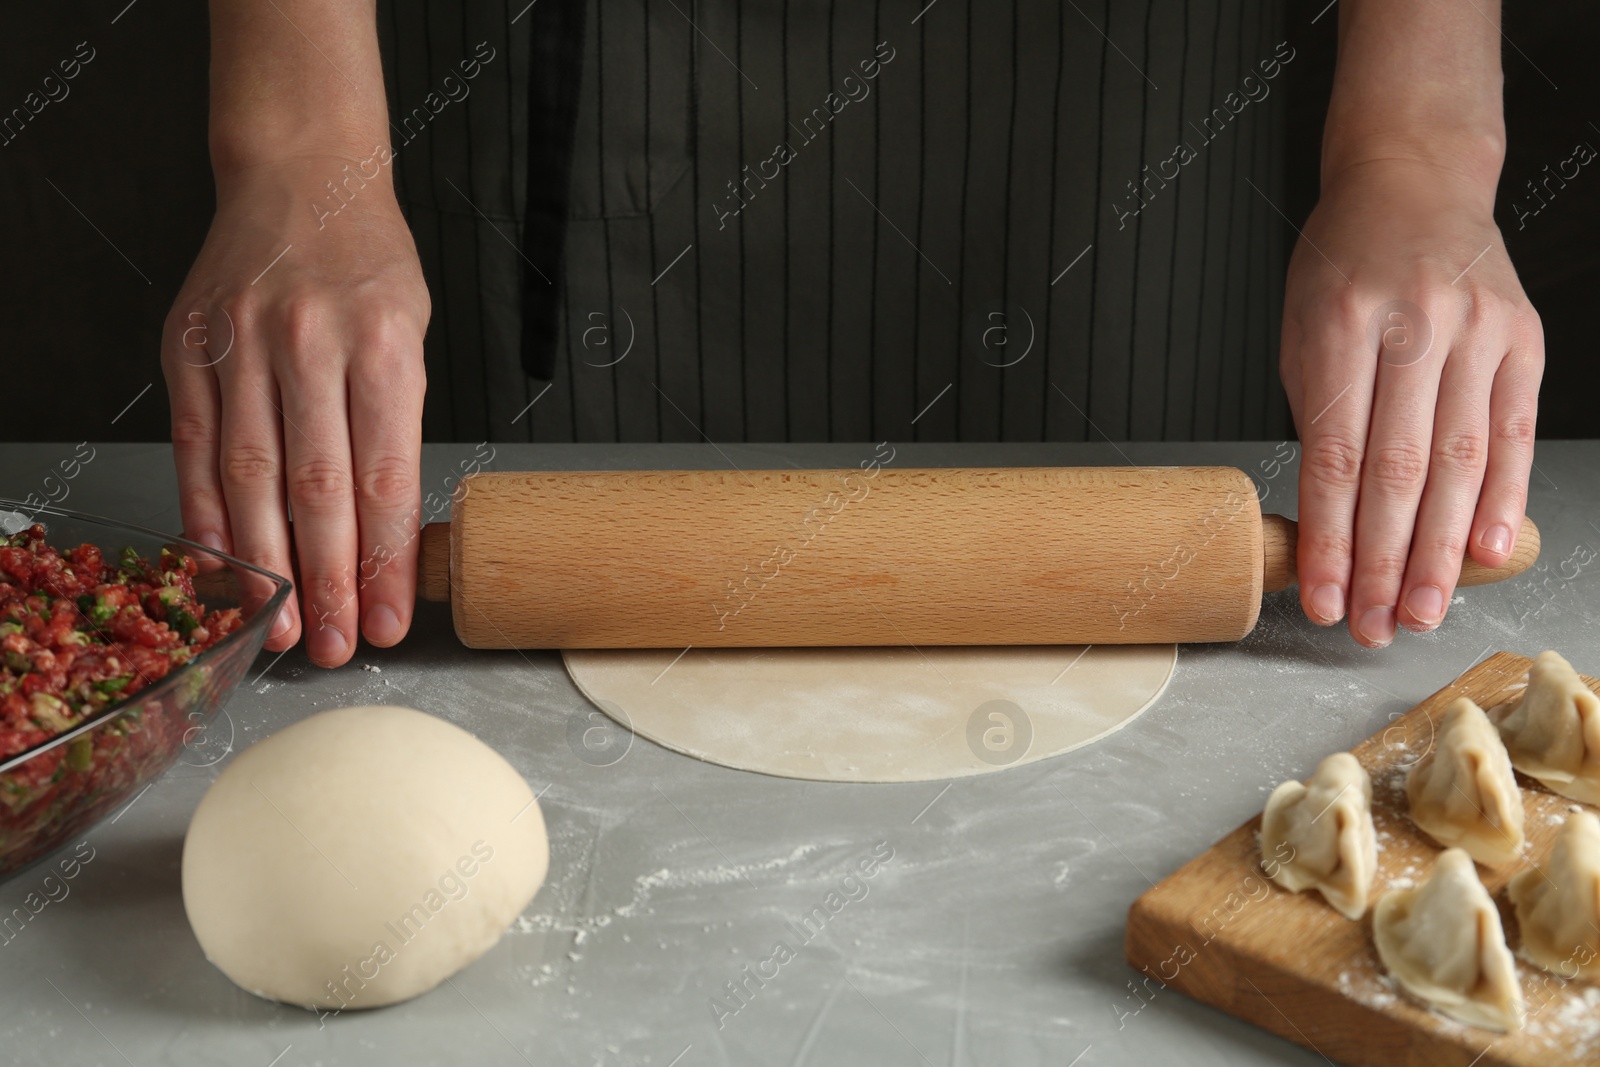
x,y
1411,358
293,356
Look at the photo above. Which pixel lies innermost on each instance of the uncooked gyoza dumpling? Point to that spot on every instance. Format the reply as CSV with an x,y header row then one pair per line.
x,y
1462,792
1443,943
1558,907
1320,835
1553,732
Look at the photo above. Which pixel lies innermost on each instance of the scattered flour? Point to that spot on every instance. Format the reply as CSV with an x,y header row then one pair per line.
x,y
1581,1014
646,884
1369,988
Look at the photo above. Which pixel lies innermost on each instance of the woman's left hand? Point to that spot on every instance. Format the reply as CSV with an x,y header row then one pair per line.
x,y
1412,359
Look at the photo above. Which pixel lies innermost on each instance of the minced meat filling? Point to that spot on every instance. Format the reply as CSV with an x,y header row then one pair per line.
x,y
79,632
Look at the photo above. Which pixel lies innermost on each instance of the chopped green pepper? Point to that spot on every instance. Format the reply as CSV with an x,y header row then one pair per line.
x,y
80,752
183,622
50,712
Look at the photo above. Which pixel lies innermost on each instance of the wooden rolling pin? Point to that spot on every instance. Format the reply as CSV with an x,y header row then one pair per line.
x,y
1003,556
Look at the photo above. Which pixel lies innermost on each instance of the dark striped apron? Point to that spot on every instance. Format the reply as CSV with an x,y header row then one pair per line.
x,y
675,220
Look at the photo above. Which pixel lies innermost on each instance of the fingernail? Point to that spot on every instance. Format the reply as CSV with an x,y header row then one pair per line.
x,y
281,627
213,540
1426,604
1377,626
383,625
329,644
1328,602
1496,538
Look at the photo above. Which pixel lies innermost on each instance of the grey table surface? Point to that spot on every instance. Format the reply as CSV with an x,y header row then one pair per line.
x,y
993,936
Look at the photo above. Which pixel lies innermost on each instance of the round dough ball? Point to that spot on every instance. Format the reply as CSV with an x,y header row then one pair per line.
x,y
360,857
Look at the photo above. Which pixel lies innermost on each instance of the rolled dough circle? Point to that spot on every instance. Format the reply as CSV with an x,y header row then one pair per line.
x,y
360,857
874,714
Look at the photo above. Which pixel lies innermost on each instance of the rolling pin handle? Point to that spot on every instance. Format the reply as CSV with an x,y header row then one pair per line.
x,y
433,562
1280,538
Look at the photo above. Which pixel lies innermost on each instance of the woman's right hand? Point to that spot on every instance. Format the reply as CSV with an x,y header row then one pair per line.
x,y
293,356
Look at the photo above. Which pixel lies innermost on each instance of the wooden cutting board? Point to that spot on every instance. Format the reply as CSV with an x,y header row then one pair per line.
x,y
1221,932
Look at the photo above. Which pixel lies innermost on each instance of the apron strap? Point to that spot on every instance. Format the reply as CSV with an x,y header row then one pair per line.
x,y
556,33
